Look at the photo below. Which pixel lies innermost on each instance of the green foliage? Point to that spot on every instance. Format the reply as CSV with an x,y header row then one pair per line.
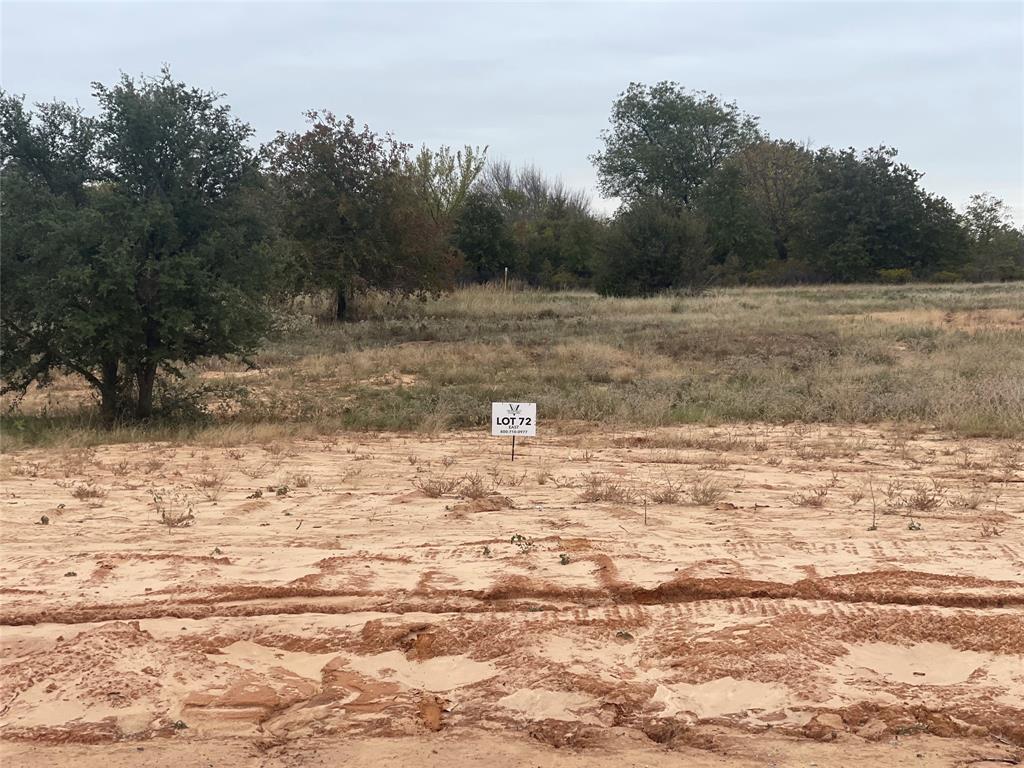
x,y
443,178
355,215
484,238
132,240
996,247
650,247
665,141
895,276
553,233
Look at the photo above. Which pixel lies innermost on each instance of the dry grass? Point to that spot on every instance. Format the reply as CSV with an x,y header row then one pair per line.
x,y
436,486
597,487
210,484
827,354
705,490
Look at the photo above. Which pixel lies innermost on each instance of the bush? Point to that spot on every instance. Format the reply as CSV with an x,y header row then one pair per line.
x,y
649,248
895,276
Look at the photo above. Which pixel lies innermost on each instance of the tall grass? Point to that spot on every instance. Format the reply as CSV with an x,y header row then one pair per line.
x,y
949,356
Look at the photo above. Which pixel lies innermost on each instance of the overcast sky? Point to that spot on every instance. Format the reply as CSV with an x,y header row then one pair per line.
x,y
942,82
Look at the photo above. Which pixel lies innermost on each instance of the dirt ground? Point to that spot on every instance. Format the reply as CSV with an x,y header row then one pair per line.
x,y
699,597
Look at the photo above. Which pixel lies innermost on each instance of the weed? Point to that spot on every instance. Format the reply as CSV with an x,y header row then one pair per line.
x,y
435,487
209,484
667,492
706,490
925,497
814,497
175,510
600,488
88,491
121,468
524,544
913,525
990,529
971,500
447,461
301,480
473,486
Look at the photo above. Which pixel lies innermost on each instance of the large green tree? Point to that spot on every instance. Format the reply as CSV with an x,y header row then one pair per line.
x,y
665,141
996,246
356,215
649,247
132,241
868,213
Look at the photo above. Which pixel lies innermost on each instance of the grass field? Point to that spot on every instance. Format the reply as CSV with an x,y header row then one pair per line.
x,y
950,357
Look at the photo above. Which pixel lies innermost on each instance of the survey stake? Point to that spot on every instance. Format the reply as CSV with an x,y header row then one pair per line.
x,y
514,420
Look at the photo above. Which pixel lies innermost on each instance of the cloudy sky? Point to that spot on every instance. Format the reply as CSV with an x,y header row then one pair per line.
x,y
942,82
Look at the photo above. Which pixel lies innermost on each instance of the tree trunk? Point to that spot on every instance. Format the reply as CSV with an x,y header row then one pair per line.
x,y
342,304
108,393
145,377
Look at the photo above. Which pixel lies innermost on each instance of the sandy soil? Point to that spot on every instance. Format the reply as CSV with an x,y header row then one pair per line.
x,y
321,608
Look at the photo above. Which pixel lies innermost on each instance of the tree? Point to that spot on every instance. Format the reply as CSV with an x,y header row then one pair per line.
x,y
484,238
554,230
651,247
443,178
755,206
334,184
868,213
996,247
665,141
131,240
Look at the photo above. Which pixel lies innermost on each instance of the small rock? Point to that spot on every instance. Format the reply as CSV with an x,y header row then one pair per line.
x,y
44,520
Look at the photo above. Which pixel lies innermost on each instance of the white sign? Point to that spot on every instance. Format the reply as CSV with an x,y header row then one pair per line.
x,y
511,419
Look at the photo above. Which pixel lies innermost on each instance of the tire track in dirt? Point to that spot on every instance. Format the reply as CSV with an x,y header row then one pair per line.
x,y
891,587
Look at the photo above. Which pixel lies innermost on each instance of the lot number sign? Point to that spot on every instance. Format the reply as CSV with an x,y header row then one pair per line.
x,y
514,419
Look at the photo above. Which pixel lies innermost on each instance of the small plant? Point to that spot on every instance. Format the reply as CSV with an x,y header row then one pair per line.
x,y
815,497
281,491
924,497
435,487
487,551
874,506
413,459
600,488
234,454
774,461
971,500
447,461
563,559
913,525
668,492
990,529
88,491
209,484
121,468
259,470
175,510
524,544
301,480
474,486
543,477
706,490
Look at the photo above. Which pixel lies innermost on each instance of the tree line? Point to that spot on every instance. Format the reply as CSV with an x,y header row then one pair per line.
x,y
156,232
